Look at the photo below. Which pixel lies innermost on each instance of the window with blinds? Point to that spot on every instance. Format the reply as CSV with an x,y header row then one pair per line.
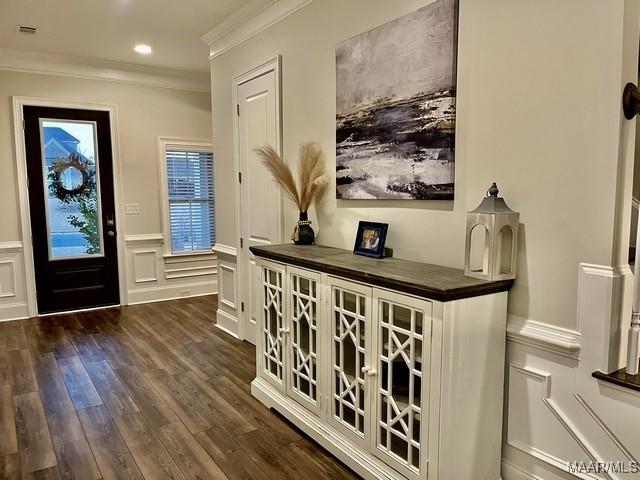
x,y
191,199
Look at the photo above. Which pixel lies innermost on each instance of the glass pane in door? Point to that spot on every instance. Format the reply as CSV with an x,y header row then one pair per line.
x,y
400,387
70,162
348,360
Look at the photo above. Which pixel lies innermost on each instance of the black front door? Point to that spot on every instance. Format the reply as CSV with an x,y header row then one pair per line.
x,y
70,170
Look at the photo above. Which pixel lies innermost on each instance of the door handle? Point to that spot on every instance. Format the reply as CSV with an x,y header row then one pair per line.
x,y
370,372
110,220
111,233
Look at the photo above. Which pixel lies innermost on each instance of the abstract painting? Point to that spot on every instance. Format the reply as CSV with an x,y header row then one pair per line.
x,y
396,108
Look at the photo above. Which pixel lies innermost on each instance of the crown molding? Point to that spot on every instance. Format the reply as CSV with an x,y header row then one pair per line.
x,y
96,69
247,22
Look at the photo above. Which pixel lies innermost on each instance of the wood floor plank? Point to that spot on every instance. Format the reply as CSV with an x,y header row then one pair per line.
x,y
8,436
75,458
110,451
112,393
10,467
81,389
153,391
227,416
149,402
194,415
34,442
231,459
186,451
22,376
148,451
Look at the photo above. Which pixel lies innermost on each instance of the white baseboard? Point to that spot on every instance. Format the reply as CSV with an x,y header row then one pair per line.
x,y
171,292
227,323
14,311
511,472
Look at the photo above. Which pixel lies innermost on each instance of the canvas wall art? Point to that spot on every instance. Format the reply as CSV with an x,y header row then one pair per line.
x,y
396,108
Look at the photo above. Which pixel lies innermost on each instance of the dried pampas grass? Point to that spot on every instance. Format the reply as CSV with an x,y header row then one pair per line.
x,y
311,172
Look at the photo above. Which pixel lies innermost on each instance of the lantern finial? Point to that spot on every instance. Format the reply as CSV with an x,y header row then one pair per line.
x,y
493,190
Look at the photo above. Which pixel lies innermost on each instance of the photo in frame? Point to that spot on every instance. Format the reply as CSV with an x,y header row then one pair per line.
x,y
370,239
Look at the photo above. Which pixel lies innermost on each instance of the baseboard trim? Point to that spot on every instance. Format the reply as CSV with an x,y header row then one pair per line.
x,y
171,292
227,323
14,311
512,472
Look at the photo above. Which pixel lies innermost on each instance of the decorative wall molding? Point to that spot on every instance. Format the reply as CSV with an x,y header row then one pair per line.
x,y
145,238
544,378
614,438
145,266
105,70
227,323
8,286
247,22
14,311
11,247
226,286
544,336
188,272
225,249
161,293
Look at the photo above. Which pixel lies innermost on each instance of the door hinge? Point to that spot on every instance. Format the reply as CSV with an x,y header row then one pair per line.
x,y
238,109
242,306
241,242
239,177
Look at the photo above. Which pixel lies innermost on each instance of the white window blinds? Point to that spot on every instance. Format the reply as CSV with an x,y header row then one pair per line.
x,y
191,199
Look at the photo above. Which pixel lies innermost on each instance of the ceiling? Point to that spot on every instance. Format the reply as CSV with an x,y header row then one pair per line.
x,y
109,29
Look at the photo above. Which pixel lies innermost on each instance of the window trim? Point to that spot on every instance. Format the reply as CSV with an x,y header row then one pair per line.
x,y
165,143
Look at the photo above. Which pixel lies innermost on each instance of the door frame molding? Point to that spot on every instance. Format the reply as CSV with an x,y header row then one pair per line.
x,y
23,190
272,64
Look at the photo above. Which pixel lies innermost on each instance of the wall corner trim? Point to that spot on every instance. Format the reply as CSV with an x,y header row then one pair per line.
x,y
225,250
248,22
145,238
11,247
544,336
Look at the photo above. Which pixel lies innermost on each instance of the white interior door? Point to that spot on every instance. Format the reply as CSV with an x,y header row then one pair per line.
x,y
258,114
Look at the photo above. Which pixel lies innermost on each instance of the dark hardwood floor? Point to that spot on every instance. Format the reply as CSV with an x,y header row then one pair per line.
x,y
150,391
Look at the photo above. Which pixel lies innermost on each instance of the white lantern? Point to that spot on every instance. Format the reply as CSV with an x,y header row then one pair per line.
x,y
495,251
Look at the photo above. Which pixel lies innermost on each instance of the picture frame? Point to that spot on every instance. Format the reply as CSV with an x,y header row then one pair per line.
x,y
370,239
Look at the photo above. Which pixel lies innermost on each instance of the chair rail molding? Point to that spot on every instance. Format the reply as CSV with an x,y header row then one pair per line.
x,y
225,250
144,238
544,336
11,247
247,22
106,70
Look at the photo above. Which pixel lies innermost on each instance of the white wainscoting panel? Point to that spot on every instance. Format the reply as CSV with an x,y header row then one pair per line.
x,y
13,299
556,412
145,267
227,314
154,277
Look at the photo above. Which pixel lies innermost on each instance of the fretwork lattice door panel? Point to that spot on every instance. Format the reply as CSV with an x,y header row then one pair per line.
x,y
402,387
350,352
304,311
273,329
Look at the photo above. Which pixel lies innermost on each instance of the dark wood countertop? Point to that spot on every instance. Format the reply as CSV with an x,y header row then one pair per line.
x,y
421,279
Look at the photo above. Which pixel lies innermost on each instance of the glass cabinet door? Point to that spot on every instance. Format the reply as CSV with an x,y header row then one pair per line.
x,y
304,312
404,332
350,317
272,329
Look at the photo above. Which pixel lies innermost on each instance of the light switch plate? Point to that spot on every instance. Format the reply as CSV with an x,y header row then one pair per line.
x,y
132,208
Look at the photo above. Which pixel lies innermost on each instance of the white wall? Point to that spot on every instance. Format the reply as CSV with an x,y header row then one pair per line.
x,y
538,112
144,113
539,85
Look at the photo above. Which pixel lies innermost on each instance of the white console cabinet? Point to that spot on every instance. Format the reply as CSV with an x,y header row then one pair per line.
x,y
396,385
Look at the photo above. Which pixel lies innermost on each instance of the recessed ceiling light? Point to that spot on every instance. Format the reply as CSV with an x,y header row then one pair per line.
x,y
143,49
